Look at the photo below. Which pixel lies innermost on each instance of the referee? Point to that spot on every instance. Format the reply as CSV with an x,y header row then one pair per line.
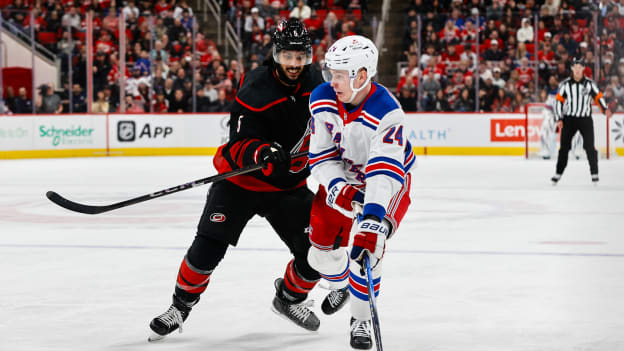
x,y
573,112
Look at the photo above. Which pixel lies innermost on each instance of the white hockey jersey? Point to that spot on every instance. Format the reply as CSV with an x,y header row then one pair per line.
x,y
365,146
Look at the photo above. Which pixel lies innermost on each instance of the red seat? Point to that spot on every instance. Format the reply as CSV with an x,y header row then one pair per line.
x,y
321,13
482,48
459,48
530,48
582,22
47,38
339,13
357,13
80,36
284,14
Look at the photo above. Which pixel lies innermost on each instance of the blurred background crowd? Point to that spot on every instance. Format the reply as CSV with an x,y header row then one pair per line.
x,y
454,55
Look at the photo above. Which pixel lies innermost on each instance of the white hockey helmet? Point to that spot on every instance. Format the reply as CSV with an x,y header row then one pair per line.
x,y
351,54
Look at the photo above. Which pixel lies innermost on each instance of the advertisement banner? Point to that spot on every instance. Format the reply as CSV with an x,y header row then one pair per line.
x,y
167,131
465,129
70,132
16,134
202,134
45,132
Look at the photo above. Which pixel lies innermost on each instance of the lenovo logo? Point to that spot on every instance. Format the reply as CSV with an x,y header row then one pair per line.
x,y
506,130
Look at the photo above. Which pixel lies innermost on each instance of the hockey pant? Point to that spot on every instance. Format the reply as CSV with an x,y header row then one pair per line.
x,y
584,125
226,213
330,234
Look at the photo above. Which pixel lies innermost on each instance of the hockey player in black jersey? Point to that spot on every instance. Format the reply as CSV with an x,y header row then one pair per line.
x,y
269,122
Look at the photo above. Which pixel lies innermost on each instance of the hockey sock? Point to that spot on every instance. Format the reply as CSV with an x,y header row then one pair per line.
x,y
191,281
295,288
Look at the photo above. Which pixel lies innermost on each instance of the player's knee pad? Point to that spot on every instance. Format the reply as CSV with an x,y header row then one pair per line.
x,y
205,253
327,261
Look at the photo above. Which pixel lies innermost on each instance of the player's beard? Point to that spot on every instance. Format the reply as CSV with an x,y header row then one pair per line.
x,y
283,76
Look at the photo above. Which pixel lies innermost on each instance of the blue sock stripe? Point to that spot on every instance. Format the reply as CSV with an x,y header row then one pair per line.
x,y
363,281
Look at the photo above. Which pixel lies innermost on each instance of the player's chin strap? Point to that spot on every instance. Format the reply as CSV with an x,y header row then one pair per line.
x,y
357,90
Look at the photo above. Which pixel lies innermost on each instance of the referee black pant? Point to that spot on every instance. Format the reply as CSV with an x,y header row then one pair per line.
x,y
585,125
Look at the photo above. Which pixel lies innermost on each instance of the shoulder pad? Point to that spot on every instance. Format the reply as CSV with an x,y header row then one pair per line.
x,y
381,102
323,92
259,91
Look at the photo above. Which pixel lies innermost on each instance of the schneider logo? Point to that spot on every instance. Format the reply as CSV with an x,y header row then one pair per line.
x,y
75,135
126,131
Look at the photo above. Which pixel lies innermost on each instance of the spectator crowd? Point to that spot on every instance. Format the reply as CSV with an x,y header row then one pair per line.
x,y
162,74
500,55
475,55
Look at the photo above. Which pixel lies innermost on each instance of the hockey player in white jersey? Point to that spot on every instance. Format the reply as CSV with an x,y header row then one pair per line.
x,y
548,130
548,133
359,153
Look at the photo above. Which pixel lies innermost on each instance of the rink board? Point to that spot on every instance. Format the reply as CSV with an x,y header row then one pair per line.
x,y
40,136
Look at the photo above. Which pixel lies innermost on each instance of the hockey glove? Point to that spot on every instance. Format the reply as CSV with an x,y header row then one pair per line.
x,y
370,240
341,197
275,160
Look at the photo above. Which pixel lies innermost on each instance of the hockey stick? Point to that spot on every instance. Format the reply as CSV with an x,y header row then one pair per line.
x,y
372,303
89,209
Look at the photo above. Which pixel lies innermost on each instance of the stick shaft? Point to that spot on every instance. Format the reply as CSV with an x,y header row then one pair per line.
x,y
89,209
372,304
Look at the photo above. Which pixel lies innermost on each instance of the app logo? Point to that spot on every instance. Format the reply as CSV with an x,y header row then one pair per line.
x,y
126,131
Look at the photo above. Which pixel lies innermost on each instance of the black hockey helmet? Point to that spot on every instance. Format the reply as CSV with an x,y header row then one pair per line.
x,y
292,35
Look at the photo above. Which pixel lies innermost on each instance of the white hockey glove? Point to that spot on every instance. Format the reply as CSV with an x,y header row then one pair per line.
x,y
341,197
370,239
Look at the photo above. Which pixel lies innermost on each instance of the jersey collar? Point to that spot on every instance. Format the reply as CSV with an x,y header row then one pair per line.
x,y
352,115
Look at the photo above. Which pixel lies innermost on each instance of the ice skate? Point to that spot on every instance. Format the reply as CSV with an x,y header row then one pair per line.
x,y
361,334
335,300
555,179
171,320
595,179
296,312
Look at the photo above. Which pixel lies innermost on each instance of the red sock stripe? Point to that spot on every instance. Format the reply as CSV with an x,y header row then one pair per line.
x,y
191,279
296,283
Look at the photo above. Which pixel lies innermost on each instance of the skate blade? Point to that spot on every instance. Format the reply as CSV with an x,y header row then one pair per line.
x,y
291,322
155,337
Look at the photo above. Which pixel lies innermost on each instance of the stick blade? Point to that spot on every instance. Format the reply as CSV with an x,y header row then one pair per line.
x,y
74,206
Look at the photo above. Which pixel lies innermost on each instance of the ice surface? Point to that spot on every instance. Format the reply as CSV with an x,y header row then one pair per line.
x,y
489,257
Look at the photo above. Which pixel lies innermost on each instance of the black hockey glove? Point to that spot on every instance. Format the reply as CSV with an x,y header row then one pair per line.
x,y
275,160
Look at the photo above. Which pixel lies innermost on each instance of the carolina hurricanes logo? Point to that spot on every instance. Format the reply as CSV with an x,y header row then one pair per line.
x,y
280,27
217,217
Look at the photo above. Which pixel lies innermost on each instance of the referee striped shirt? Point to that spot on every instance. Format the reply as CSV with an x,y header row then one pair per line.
x,y
574,99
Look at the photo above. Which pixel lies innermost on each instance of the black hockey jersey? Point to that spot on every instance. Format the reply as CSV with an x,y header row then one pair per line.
x,y
266,111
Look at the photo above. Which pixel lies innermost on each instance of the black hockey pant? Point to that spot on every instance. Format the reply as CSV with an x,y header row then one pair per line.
x,y
227,210
585,126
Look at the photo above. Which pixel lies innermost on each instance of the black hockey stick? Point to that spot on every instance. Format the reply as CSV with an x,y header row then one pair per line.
x,y
372,303
89,209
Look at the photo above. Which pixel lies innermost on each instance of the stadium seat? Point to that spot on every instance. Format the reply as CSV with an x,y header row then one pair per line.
x,y
357,13
582,22
459,48
285,14
339,13
46,38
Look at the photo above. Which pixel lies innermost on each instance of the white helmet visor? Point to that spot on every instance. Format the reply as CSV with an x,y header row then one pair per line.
x,y
340,76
